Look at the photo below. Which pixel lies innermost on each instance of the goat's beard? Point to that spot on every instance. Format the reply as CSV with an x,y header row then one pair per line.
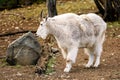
x,y
43,36
42,32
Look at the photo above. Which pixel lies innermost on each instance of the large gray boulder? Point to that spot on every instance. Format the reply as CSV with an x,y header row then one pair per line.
x,y
25,50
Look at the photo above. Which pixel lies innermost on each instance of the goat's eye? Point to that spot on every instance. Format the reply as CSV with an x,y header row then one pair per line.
x,y
41,24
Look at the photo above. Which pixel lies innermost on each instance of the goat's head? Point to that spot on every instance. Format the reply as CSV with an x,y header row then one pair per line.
x,y
42,30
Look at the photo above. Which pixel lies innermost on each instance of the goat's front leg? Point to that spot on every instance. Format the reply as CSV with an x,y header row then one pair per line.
x,y
62,50
64,53
71,58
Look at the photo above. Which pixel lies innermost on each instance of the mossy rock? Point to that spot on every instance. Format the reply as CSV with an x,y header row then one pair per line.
x,y
25,50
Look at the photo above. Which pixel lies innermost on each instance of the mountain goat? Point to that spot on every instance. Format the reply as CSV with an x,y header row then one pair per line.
x,y
72,32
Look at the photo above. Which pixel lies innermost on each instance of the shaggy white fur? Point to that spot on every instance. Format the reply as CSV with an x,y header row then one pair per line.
x,y
73,32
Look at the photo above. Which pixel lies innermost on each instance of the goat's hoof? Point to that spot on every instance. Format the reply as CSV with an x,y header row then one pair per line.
x,y
95,66
87,66
66,70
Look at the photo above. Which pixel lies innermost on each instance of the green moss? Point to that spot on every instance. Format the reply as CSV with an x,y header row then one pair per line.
x,y
50,65
114,24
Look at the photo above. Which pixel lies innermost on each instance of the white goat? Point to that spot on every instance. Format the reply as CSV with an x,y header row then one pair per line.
x,y
73,32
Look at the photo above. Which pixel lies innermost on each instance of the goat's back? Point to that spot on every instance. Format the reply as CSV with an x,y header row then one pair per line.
x,y
65,16
93,21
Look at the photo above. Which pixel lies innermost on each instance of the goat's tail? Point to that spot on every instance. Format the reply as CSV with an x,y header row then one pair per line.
x,y
102,35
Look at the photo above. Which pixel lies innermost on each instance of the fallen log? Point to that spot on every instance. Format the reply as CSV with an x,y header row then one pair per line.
x,y
14,33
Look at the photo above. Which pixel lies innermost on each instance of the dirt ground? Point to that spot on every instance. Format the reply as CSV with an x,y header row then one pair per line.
x,y
109,68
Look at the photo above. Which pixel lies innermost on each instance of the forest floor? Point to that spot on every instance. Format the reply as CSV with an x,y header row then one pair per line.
x,y
109,68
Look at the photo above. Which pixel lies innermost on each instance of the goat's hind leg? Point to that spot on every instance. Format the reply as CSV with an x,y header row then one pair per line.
x,y
90,53
98,52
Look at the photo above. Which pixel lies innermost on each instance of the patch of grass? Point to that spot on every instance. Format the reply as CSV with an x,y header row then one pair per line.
x,y
3,62
33,11
77,6
114,24
17,66
50,65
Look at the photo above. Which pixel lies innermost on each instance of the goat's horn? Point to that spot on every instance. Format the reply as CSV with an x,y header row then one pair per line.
x,y
41,15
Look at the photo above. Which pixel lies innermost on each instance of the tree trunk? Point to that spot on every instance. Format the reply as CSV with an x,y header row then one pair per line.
x,y
99,6
117,8
52,11
51,5
110,9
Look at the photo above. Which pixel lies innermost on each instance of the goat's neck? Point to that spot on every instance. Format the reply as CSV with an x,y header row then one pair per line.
x,y
57,31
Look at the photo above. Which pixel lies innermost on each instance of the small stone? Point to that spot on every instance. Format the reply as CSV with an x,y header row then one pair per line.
x,y
67,76
62,76
16,28
75,79
118,36
103,60
19,74
54,50
112,54
102,78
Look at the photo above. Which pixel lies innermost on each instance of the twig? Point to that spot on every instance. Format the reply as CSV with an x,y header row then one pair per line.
x,y
13,33
1,57
14,15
